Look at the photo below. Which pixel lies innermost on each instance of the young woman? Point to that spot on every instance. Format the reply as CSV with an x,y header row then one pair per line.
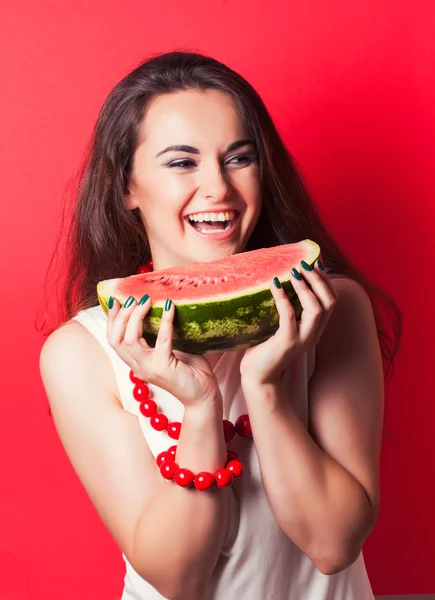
x,y
185,135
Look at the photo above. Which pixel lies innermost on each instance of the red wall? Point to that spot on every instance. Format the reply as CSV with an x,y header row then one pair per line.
x,y
351,87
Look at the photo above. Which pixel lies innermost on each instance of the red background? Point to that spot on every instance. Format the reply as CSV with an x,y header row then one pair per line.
x,y
351,88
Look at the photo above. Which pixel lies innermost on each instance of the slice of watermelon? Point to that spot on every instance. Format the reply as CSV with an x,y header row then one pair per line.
x,y
221,305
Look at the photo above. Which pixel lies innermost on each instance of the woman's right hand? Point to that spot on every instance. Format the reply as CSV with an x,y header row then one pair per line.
x,y
186,376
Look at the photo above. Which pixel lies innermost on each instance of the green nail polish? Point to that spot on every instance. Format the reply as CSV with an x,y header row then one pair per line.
x,y
321,267
143,299
296,275
168,304
306,266
129,301
110,302
276,282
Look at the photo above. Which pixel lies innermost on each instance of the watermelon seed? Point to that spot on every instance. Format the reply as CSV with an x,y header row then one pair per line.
x,y
224,278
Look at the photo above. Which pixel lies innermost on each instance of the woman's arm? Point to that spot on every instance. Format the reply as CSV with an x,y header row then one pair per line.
x,y
323,484
171,536
181,532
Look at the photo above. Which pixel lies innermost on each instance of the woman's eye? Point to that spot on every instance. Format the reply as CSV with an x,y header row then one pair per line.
x,y
187,163
243,159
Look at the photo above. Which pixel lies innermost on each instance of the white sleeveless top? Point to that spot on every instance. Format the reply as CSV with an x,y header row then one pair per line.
x,y
258,561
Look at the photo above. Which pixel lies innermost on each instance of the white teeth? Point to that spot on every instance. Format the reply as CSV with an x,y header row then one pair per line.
x,y
213,231
222,216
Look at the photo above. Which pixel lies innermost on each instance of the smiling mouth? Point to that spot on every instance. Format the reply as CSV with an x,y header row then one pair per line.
x,y
213,227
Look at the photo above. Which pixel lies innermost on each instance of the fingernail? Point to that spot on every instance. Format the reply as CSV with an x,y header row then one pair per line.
x,y
296,275
276,282
129,301
110,302
321,267
306,266
168,304
143,299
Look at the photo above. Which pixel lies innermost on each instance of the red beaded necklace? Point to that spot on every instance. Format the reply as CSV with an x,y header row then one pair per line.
x,y
166,460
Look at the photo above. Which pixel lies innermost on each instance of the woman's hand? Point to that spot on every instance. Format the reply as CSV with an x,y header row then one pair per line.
x,y
266,362
188,377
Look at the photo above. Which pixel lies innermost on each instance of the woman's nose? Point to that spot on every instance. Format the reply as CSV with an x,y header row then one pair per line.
x,y
215,185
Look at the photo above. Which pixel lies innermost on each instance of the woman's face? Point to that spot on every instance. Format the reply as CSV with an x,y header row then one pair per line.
x,y
215,172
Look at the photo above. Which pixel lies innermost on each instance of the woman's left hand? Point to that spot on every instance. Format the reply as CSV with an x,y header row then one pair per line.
x,y
265,363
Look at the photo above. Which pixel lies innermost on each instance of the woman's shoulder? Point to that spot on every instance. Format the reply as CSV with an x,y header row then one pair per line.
x,y
72,350
77,329
70,336
76,340
348,286
341,280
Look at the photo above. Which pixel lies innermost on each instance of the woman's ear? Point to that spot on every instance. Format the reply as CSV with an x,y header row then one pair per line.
x,y
130,201
130,196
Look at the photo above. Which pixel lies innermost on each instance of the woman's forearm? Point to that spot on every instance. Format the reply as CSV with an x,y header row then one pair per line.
x,y
321,507
180,534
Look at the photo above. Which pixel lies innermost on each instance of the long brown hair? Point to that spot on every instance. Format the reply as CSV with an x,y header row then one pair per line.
x,y
105,239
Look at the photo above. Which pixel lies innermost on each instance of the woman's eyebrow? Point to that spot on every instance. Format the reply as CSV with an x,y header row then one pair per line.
x,y
193,150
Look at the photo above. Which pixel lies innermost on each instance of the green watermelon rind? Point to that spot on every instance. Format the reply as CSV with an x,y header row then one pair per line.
x,y
255,318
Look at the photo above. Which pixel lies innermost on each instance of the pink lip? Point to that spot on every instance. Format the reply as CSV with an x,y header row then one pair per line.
x,y
218,236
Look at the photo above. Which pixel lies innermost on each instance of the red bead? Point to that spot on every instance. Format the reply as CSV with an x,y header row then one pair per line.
x,y
146,268
231,455
203,481
164,456
174,430
141,391
159,422
172,450
168,469
143,269
223,478
133,378
243,426
229,431
235,467
148,408
184,477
